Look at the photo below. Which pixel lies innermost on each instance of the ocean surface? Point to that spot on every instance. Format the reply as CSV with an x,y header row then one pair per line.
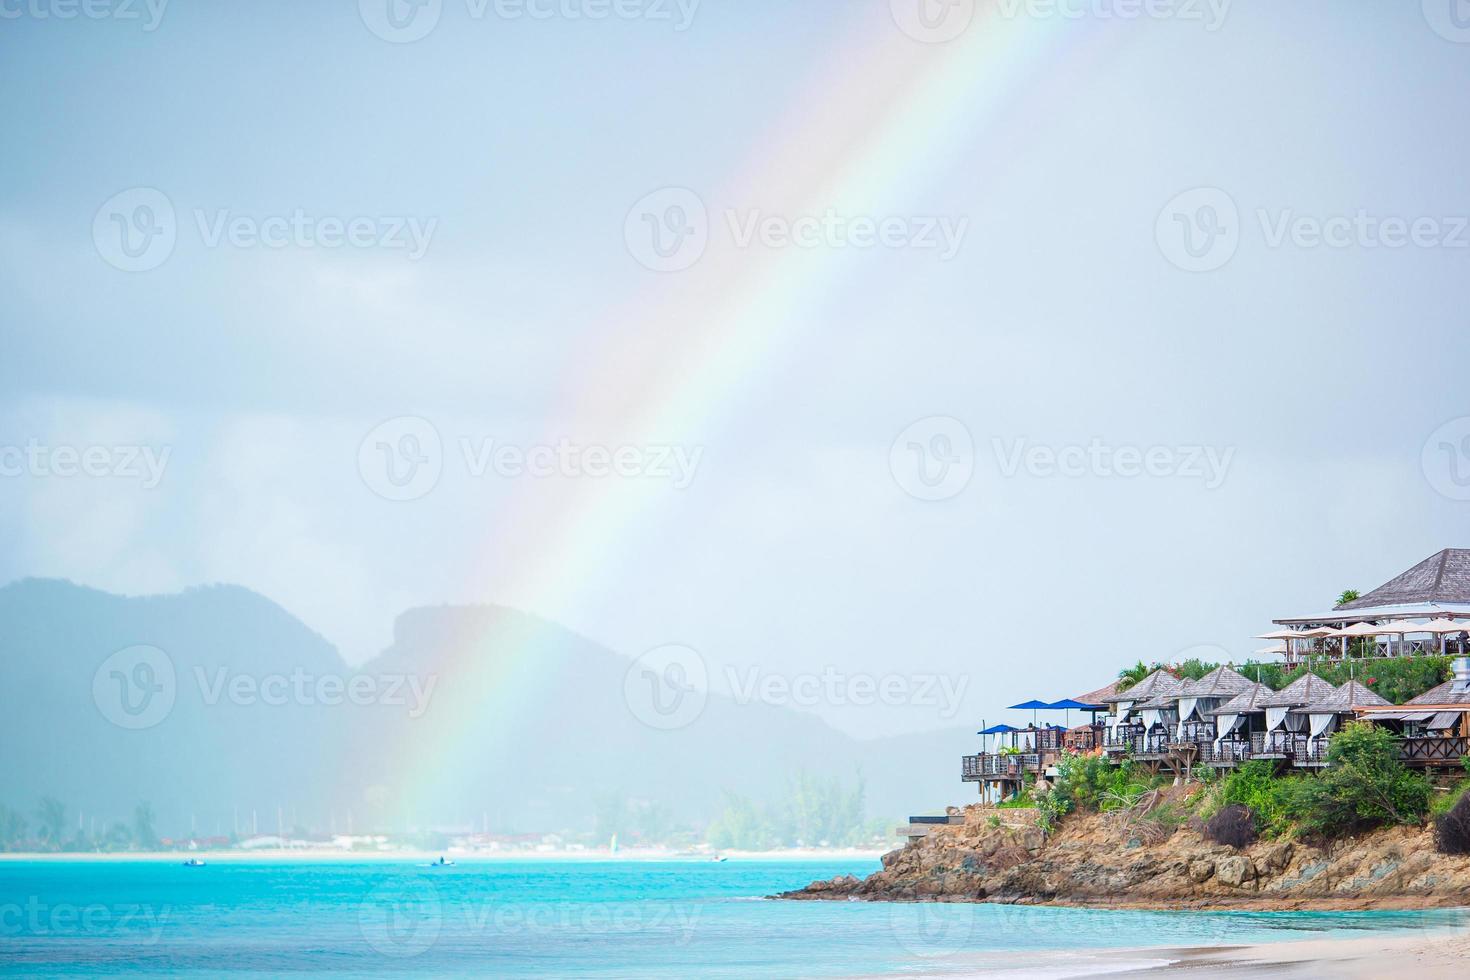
x,y
560,919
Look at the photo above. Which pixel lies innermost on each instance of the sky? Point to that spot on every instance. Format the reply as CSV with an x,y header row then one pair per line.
x,y
893,337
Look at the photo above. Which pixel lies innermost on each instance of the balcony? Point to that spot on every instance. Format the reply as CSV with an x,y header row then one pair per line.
x,y
1225,754
1292,747
979,768
1432,750
1123,739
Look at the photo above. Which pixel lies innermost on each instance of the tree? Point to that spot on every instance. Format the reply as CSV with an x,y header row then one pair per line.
x,y
610,814
1129,676
12,828
143,836
740,826
1365,785
1348,595
51,817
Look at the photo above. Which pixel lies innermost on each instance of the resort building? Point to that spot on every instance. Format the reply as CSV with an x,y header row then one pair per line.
x,y
1237,722
1225,718
1435,725
1389,620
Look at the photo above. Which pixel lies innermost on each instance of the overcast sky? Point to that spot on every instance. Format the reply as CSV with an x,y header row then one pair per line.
x,y
871,320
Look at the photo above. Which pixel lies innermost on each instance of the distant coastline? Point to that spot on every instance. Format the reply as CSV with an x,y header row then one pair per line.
x,y
322,855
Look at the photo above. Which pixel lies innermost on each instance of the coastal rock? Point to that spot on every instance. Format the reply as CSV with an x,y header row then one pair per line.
x,y
1201,869
1000,856
1234,871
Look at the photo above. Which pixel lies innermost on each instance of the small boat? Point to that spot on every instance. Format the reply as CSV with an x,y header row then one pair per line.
x,y
194,863
441,863
719,859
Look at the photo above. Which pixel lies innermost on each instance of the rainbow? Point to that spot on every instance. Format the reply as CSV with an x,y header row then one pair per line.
x,y
882,115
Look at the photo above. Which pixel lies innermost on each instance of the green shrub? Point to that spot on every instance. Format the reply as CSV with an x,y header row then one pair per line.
x,y
1255,786
1364,786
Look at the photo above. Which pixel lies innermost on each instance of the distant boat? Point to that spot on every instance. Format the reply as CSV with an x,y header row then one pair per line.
x,y
194,863
441,863
719,858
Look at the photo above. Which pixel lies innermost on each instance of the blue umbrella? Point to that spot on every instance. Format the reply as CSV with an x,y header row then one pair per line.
x,y
1033,706
1073,703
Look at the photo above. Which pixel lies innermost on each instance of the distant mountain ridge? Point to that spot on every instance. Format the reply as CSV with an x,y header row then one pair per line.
x,y
266,717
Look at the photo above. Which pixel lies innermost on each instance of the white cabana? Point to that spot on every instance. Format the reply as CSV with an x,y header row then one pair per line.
x,y
1226,724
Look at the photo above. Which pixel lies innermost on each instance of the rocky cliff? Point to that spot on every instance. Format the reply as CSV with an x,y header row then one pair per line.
x,y
1122,860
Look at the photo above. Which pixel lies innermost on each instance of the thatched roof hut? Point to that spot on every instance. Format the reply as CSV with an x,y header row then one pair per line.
x,y
1157,684
1307,693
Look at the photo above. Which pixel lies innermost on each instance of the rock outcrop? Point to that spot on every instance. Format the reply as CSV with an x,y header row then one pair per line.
x,y
1108,860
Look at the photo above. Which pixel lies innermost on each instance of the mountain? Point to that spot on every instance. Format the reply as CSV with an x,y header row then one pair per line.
x,y
222,710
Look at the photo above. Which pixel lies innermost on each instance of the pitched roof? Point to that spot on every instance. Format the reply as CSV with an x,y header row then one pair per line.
x,y
1096,697
1443,694
1307,691
1442,577
1222,682
1157,684
1353,695
1245,702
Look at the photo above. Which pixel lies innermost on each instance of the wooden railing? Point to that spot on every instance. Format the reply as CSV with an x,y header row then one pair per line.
x,y
1295,747
1155,744
1123,739
989,766
1228,751
1434,749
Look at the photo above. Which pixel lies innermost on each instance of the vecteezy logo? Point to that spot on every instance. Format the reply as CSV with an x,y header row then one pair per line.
x,y
1450,19
1445,459
400,21
933,21
402,458
401,918
667,687
932,929
1199,230
135,687
668,230
135,230
934,458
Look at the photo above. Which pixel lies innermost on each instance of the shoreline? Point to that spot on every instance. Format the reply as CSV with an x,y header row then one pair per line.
x,y
1429,954
1389,903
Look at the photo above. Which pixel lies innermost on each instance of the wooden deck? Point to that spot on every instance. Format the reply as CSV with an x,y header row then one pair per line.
x,y
987,767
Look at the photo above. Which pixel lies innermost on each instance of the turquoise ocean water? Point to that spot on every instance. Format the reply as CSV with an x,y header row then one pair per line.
x,y
559,919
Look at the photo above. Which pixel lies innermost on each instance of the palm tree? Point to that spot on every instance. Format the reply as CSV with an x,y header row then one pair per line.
x,y
12,828
1348,595
51,815
1132,675
143,835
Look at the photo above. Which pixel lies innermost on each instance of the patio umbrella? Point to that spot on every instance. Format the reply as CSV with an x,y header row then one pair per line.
x,y
1442,627
1289,635
1354,631
1067,704
1401,629
1033,706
